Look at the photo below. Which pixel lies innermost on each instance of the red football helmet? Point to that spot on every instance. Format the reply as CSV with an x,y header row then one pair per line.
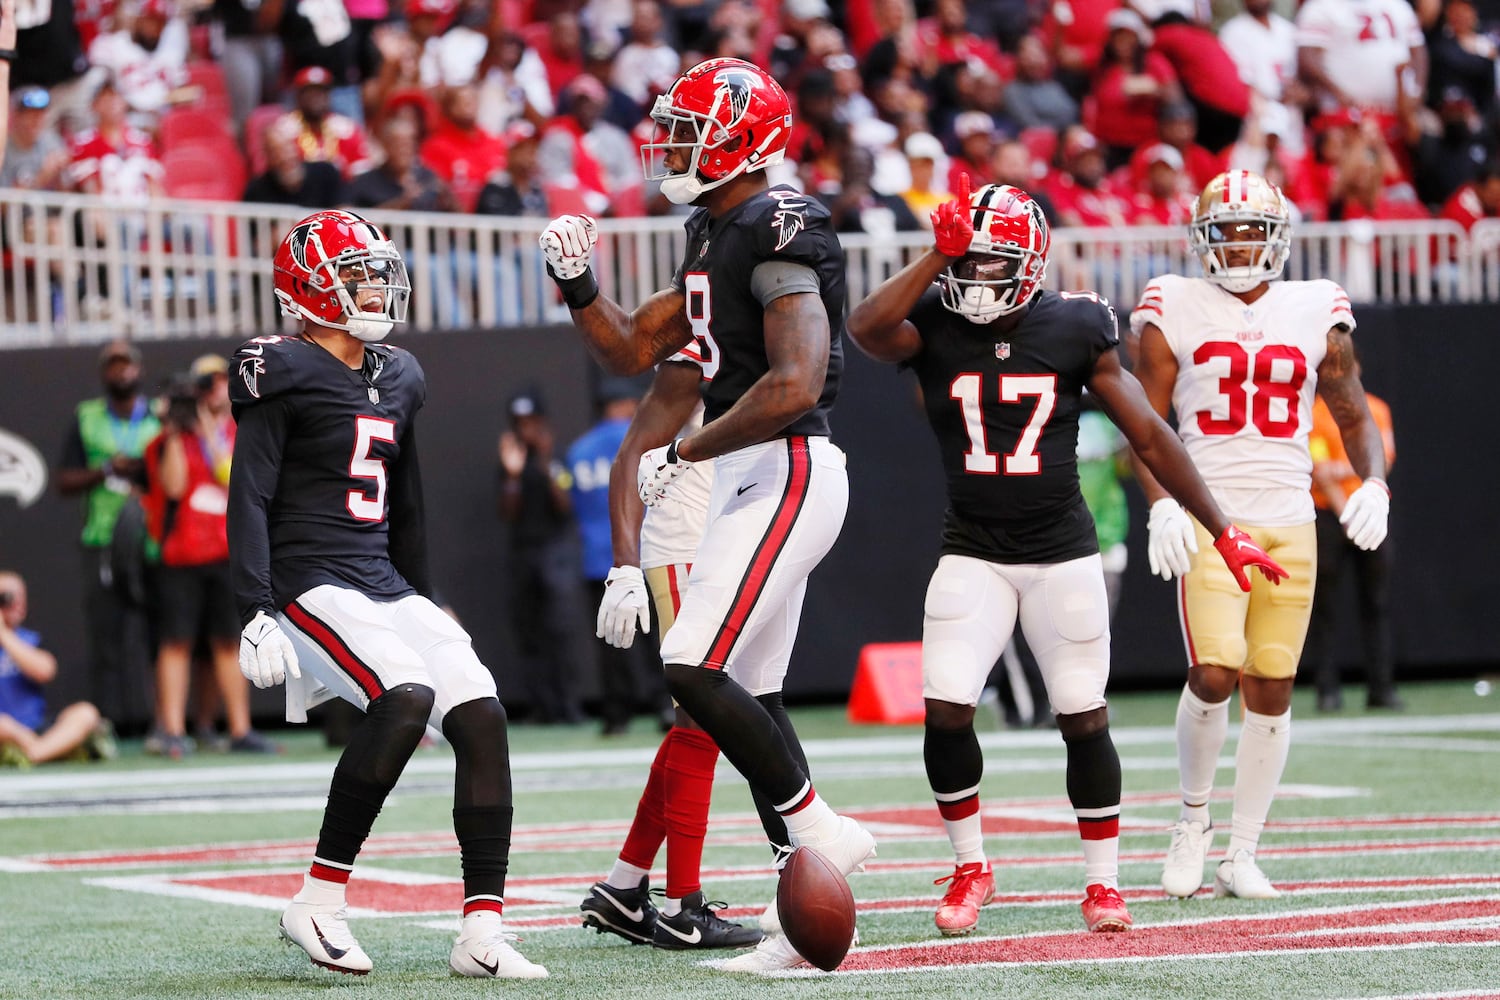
x,y
728,116
332,261
1007,259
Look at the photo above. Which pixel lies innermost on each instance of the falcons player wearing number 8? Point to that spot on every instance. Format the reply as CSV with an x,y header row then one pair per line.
x,y
1239,355
761,291
329,562
1003,366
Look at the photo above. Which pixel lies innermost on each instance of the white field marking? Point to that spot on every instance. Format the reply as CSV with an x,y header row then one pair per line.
x,y
1445,995
1433,744
250,776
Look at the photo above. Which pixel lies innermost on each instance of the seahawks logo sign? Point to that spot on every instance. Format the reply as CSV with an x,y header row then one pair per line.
x,y
23,473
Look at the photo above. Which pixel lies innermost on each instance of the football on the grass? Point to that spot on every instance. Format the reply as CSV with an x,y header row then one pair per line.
x,y
816,908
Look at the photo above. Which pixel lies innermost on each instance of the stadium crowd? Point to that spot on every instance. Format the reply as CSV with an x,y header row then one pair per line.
x,y
1114,114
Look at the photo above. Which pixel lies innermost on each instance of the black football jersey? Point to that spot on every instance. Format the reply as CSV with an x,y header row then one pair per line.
x,y
1005,411
325,487
779,223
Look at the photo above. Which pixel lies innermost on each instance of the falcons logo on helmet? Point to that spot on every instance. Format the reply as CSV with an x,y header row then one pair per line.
x,y
739,86
298,239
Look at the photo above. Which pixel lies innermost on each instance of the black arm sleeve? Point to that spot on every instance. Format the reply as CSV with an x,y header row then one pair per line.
x,y
407,517
259,439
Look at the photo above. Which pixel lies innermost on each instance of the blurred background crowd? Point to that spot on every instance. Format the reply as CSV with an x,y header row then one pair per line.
x,y
1116,114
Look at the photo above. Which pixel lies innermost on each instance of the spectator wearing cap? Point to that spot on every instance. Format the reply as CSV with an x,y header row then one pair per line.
x,y
148,60
290,180
1015,164
1131,84
645,65
459,151
1447,154
517,190
512,84
546,605
402,182
428,23
1034,99
1478,199
976,136
1164,199
925,158
102,465
321,35
598,156
1462,56
323,134
1177,125
35,155
1345,64
114,159
1079,189
1209,78
49,54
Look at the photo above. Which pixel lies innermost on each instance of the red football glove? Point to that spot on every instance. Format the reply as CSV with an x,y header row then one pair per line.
x,y
952,222
1239,550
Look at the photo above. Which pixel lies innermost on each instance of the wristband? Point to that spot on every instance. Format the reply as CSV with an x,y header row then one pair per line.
x,y
672,453
579,292
8,55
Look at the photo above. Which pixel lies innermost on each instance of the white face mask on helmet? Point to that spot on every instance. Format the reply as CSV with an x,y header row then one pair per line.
x,y
330,261
1007,259
1241,215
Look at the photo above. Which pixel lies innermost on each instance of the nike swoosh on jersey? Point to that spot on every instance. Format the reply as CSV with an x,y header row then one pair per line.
x,y
692,938
256,350
741,491
636,914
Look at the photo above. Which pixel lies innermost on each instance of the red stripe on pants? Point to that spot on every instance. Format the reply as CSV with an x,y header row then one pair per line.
x,y
329,641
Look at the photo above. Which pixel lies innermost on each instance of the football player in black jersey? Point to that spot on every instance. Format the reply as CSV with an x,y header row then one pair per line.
x,y
330,570
1003,366
761,291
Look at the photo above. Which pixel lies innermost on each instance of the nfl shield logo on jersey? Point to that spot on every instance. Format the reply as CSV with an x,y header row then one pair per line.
x,y
1002,351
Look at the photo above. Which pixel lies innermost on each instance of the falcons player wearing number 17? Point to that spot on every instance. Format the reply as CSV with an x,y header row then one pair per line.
x,y
761,291
330,569
1239,355
1003,366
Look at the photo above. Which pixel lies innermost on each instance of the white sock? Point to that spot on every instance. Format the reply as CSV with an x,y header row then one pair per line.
x,y
625,876
1202,727
965,832
1265,741
671,907
480,923
814,823
320,892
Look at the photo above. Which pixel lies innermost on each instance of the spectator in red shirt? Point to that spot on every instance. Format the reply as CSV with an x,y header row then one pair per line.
x,y
1074,31
562,52
461,153
1368,185
945,38
601,155
114,159
1478,199
1178,127
324,135
1164,201
1210,79
1079,190
1131,86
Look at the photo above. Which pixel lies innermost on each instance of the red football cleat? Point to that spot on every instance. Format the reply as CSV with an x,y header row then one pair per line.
x,y
1104,910
971,886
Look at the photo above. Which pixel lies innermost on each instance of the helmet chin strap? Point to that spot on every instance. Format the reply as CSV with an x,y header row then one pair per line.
x,y
682,189
371,331
982,306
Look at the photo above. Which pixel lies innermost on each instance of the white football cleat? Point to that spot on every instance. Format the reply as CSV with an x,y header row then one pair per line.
x,y
1187,855
483,951
320,930
1242,878
773,954
849,849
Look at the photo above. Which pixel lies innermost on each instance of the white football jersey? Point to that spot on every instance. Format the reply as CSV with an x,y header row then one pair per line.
x,y
1246,376
672,529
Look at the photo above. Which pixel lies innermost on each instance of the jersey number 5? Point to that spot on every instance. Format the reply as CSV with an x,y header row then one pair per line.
x,y
1266,387
362,465
700,312
1024,460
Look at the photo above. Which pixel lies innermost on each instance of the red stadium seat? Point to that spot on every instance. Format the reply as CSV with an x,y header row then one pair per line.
x,y
187,125
211,170
255,135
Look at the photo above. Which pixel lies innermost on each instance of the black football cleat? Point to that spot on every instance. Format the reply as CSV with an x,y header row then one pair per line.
x,y
698,926
626,912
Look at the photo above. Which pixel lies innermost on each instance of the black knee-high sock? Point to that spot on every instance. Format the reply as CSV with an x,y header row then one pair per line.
x,y
744,730
770,819
482,812
1093,771
953,759
369,768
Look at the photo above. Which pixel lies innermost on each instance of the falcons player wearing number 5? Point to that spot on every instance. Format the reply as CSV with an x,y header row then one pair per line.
x,y
1003,366
1239,355
330,570
761,291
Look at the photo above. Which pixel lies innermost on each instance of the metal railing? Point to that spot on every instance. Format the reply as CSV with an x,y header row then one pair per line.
x,y
77,270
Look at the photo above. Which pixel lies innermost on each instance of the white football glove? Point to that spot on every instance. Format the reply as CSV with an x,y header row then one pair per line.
x,y
658,468
1170,539
1366,514
625,603
568,245
266,654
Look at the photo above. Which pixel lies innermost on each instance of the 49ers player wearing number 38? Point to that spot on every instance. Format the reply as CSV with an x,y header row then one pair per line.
x,y
761,292
1239,355
329,560
1003,366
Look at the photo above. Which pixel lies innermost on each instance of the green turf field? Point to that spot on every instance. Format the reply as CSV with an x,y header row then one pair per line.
x,y
141,878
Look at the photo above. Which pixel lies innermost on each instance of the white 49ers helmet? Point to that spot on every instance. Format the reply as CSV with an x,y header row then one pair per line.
x,y
1238,212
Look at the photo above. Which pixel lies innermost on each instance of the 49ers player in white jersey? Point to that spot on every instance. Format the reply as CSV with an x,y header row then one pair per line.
x,y
1239,355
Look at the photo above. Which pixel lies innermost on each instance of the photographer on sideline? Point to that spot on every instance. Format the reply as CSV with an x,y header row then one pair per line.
x,y
25,668
187,471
